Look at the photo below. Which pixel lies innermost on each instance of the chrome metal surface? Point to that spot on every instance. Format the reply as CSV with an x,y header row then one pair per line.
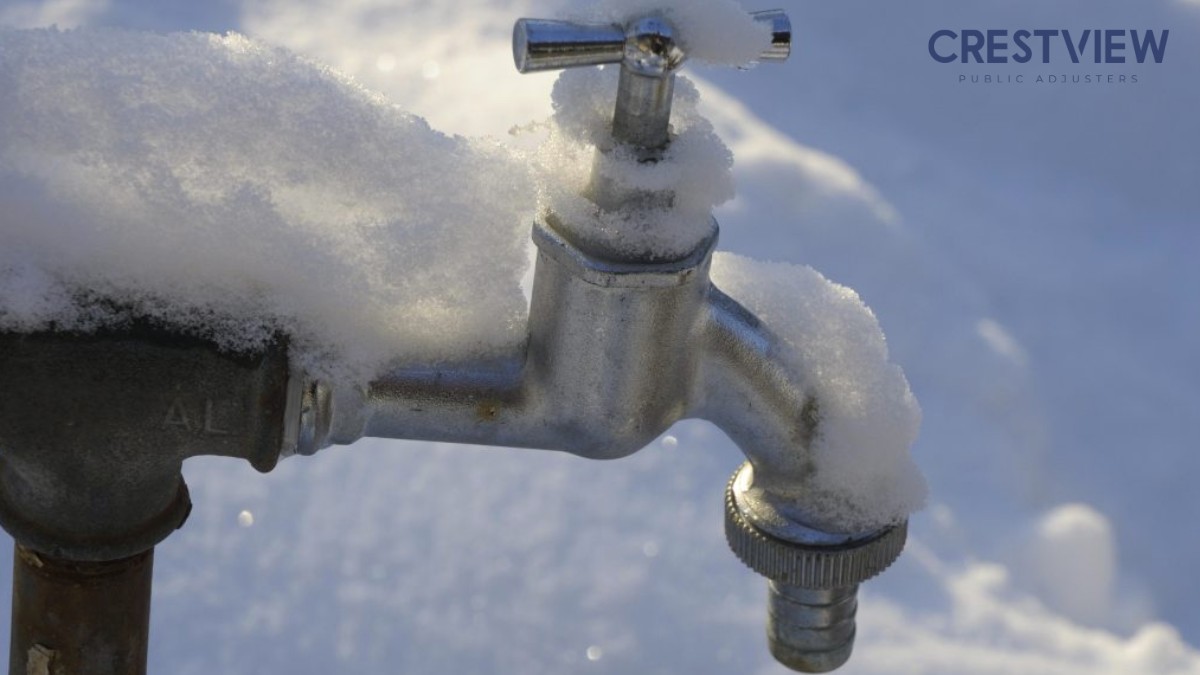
x,y
307,418
781,34
808,558
652,48
811,631
813,576
650,52
615,354
553,45
643,114
605,369
296,424
647,86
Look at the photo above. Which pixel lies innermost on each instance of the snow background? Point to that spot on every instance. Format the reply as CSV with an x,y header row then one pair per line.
x,y
1026,249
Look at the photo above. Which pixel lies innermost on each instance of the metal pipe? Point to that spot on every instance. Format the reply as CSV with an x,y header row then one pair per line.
x,y
811,631
647,86
80,618
94,432
643,112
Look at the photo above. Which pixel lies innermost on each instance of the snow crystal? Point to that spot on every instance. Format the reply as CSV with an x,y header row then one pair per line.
x,y
239,192
696,169
713,31
864,476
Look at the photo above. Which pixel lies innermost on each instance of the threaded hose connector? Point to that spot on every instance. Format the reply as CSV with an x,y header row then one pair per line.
x,y
813,581
811,631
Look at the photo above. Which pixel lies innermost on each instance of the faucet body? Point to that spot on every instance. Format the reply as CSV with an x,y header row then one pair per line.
x,y
616,353
608,365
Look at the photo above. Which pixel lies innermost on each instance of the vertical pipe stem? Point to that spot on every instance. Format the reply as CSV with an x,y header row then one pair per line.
x,y
642,121
643,115
80,618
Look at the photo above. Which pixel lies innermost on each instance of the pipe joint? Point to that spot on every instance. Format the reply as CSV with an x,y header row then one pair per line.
x,y
100,478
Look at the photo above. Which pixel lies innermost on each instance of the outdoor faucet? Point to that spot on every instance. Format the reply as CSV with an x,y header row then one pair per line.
x,y
620,345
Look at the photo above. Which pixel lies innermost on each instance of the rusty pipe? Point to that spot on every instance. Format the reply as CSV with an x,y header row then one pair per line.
x,y
80,618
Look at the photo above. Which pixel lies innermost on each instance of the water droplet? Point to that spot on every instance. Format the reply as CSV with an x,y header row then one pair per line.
x,y
245,519
594,653
670,442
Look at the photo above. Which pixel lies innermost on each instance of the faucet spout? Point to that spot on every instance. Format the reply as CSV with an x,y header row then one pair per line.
x,y
750,386
747,387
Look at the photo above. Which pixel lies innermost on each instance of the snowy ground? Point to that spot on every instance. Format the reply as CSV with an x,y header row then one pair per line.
x,y
1027,250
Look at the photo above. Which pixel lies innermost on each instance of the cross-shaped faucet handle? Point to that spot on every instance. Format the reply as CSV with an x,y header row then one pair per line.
x,y
649,52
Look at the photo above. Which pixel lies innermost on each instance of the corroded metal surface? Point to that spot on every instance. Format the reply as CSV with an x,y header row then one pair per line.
x,y
95,428
80,618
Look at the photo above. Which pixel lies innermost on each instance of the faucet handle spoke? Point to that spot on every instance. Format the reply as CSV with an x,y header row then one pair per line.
x,y
540,44
781,34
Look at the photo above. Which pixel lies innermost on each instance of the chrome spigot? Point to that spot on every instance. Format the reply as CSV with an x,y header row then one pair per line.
x,y
672,346
813,575
620,345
